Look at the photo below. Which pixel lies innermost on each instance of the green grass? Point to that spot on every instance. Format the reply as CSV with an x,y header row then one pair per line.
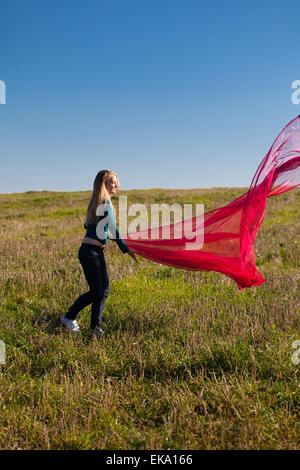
x,y
188,361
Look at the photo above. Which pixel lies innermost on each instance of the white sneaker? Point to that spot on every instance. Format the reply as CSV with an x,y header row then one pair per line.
x,y
72,325
97,331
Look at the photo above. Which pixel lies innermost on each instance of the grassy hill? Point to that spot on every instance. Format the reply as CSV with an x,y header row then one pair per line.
x,y
188,362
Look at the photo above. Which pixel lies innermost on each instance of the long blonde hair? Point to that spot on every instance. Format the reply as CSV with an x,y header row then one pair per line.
x,y
100,195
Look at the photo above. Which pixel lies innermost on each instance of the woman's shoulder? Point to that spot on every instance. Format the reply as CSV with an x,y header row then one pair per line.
x,y
104,202
107,204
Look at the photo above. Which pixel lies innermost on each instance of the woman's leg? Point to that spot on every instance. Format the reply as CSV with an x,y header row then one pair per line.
x,y
101,288
83,301
95,271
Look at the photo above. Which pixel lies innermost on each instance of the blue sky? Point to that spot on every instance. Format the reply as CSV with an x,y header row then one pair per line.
x,y
167,93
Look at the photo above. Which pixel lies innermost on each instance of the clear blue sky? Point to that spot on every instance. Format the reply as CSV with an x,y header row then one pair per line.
x,y
167,93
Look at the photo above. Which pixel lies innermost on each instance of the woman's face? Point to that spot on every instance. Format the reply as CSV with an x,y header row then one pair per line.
x,y
112,185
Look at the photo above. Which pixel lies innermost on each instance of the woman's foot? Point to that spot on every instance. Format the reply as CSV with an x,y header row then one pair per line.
x,y
71,325
97,331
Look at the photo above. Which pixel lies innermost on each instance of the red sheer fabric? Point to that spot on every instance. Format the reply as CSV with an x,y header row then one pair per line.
x,y
229,231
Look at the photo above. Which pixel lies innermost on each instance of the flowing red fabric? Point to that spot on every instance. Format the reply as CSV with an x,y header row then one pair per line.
x,y
229,231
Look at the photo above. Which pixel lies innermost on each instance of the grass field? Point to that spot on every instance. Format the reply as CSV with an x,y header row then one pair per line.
x,y
188,362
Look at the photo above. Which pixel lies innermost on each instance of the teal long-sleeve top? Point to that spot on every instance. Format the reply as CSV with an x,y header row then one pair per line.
x,y
108,215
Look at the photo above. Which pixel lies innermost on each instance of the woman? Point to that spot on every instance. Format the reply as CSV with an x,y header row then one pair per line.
x,y
91,252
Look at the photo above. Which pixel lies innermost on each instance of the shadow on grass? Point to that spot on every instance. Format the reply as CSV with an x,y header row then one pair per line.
x,y
133,324
51,324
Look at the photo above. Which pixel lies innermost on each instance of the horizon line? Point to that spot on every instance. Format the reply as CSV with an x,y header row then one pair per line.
x,y
131,189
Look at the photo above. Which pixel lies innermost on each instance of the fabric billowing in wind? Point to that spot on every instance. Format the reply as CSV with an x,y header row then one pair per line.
x,y
229,231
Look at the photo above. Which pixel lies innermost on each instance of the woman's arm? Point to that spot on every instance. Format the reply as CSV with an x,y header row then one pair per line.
x,y
114,229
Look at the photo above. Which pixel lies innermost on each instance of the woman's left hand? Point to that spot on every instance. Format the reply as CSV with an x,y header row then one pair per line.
x,y
132,254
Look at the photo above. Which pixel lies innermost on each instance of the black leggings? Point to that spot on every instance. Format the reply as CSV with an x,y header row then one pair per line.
x,y
93,263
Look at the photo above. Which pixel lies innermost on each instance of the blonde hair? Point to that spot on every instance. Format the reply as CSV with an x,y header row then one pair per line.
x,y
100,195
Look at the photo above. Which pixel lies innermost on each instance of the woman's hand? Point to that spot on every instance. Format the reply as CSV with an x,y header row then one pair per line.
x,y
132,254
